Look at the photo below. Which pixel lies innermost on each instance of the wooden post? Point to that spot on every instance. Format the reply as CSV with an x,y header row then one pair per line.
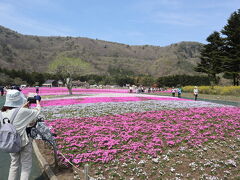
x,y
86,166
55,157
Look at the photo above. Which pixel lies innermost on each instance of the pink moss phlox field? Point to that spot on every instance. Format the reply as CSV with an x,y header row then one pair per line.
x,y
64,91
45,91
132,135
64,102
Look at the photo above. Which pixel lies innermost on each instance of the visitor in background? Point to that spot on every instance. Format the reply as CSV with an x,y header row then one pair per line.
x,y
37,89
195,92
130,89
149,90
16,87
173,92
179,92
21,162
2,90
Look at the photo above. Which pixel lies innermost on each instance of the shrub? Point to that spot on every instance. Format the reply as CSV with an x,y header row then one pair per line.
x,y
182,80
218,90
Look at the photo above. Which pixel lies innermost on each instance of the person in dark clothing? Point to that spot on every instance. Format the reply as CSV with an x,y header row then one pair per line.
x,y
16,87
2,90
37,90
179,92
173,92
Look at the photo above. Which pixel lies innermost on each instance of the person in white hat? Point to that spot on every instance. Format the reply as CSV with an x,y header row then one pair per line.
x,y
25,116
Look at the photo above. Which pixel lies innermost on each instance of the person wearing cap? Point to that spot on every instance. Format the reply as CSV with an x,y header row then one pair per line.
x,y
25,116
195,92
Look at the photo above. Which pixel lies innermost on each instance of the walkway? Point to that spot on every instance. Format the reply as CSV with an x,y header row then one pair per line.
x,y
217,101
36,173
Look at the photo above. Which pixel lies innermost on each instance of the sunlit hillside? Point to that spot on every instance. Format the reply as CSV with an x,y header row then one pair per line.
x,y
36,53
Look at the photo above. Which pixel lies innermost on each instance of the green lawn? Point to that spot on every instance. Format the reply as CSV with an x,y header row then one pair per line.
x,y
231,100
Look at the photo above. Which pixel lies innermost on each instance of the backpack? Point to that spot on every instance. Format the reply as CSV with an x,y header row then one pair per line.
x,y
10,140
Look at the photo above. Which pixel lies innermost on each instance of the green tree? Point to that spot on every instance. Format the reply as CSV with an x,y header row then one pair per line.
x,y
182,80
23,75
5,79
211,57
38,78
18,81
123,80
146,80
66,68
231,32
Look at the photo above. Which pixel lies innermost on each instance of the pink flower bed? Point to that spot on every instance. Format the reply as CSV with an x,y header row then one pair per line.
x,y
64,91
102,139
64,102
45,91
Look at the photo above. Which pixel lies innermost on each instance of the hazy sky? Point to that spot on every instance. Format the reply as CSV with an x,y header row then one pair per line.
x,y
134,22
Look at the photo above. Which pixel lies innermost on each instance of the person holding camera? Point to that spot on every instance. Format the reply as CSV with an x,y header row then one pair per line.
x,y
17,104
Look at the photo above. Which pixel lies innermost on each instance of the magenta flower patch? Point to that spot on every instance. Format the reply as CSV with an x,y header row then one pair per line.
x,y
131,135
43,91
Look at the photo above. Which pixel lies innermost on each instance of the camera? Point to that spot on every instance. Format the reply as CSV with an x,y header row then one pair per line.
x,y
33,100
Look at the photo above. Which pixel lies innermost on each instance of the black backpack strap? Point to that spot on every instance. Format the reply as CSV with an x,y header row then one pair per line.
x,y
1,118
14,114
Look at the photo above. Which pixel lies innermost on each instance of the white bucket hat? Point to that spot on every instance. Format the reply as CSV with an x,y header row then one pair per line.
x,y
14,98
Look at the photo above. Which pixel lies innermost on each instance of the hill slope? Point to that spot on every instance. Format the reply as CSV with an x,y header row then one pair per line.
x,y
35,53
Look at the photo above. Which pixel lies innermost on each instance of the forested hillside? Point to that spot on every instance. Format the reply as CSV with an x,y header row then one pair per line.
x,y
36,53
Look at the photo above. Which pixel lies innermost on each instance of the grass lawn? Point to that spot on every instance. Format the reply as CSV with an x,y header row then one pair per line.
x,y
235,99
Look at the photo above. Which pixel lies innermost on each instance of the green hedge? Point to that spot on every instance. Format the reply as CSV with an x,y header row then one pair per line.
x,y
182,80
218,90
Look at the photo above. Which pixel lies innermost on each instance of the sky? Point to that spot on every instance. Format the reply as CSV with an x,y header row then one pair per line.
x,y
133,22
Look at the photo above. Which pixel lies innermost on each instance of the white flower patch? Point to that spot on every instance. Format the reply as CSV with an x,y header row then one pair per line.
x,y
110,108
231,162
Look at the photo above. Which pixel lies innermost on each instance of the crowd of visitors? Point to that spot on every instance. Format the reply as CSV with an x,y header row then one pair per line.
x,y
175,91
142,89
3,89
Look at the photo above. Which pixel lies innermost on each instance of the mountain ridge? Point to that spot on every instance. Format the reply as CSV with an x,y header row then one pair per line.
x,y
36,53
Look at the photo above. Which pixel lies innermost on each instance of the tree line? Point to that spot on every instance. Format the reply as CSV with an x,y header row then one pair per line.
x,y
18,77
222,53
183,80
116,77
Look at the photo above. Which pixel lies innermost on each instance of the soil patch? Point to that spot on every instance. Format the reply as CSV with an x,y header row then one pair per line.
x,y
62,172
